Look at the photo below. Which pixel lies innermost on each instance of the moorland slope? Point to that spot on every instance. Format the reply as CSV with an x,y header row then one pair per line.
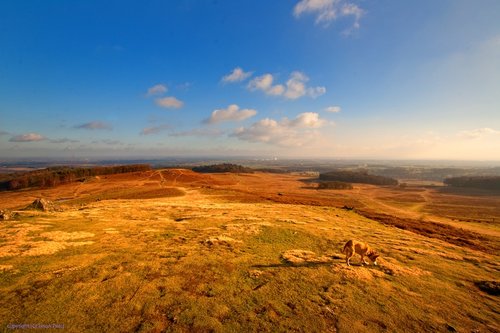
x,y
177,251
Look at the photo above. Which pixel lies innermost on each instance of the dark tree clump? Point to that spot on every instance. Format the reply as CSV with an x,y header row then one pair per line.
x,y
54,176
225,167
357,177
481,182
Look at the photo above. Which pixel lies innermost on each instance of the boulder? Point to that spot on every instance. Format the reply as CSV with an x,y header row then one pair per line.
x,y
5,215
490,287
41,204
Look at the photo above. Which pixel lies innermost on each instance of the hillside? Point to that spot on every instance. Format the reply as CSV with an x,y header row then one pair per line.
x,y
246,252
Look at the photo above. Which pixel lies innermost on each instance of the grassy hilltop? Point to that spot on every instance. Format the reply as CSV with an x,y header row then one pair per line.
x,y
177,251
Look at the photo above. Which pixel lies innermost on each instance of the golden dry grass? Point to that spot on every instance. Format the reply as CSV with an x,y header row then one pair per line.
x,y
230,254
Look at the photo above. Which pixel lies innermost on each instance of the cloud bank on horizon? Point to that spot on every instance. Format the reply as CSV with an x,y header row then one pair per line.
x,y
315,78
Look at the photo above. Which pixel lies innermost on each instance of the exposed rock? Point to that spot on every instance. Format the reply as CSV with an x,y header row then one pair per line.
x,y
451,328
490,287
5,215
42,204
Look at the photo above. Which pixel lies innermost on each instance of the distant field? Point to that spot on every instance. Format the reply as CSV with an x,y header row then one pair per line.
x,y
7,170
176,251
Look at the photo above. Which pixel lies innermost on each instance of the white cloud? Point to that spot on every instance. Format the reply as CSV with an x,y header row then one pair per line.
x,y
265,83
94,125
29,137
169,102
154,129
292,133
350,9
276,90
237,75
158,89
307,120
232,113
295,86
333,109
478,133
327,11
316,92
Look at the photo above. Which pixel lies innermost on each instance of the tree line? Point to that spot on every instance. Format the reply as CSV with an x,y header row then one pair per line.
x,y
224,167
482,182
54,176
357,177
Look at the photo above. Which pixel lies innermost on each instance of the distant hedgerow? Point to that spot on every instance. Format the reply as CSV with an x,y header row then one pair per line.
x,y
224,167
357,177
482,182
54,176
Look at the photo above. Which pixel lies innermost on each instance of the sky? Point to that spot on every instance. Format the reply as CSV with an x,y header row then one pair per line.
x,y
364,79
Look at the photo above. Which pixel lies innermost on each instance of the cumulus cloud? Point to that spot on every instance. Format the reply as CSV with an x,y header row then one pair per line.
x,y
265,84
316,91
154,129
237,75
169,102
158,89
95,125
231,113
350,9
295,132
327,11
333,109
478,133
295,86
29,137
307,120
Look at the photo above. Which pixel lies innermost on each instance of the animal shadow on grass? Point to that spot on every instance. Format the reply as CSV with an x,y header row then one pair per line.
x,y
290,265
286,262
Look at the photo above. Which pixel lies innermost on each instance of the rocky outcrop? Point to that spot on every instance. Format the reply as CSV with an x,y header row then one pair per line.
x,y
5,215
42,204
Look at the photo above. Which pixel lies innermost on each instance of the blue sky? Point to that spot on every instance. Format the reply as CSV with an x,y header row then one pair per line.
x,y
309,78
